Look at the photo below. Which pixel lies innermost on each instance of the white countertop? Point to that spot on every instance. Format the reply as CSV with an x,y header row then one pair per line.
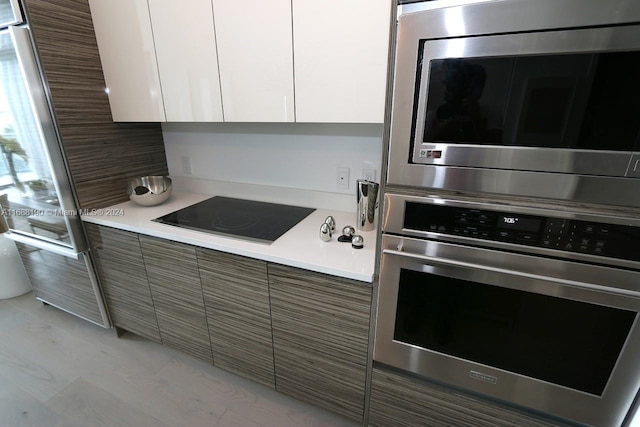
x,y
299,247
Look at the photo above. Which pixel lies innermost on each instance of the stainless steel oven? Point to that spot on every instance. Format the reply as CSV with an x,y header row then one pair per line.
x,y
532,98
530,306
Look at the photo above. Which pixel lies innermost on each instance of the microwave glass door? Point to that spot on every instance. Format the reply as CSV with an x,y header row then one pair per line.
x,y
565,342
576,101
558,101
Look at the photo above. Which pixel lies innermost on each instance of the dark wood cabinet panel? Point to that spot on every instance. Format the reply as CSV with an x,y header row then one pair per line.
x,y
236,294
398,400
60,281
101,154
320,334
124,280
172,271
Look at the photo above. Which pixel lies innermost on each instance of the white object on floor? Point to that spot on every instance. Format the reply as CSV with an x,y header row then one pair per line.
x,y
14,278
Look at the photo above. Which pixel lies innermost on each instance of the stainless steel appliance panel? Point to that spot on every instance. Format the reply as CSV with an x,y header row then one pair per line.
x,y
562,160
513,16
37,199
523,304
41,210
540,276
499,28
394,222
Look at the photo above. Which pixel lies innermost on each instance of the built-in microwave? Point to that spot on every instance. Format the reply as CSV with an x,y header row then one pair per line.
x,y
527,98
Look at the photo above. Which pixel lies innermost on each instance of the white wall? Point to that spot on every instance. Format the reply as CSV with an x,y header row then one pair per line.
x,y
297,156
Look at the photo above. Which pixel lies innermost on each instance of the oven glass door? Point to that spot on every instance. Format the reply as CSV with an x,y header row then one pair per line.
x,y
552,339
537,332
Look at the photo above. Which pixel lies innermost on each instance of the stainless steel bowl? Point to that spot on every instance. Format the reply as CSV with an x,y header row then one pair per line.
x,y
149,190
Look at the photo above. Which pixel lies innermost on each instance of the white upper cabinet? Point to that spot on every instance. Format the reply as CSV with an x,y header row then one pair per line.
x,y
341,50
127,53
256,59
185,43
233,61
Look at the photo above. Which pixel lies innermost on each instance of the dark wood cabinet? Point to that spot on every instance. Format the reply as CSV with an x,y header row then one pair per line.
x,y
124,282
172,271
398,400
303,333
236,295
320,335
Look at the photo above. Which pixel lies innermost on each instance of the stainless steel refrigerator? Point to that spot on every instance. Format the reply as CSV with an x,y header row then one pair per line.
x,y
36,192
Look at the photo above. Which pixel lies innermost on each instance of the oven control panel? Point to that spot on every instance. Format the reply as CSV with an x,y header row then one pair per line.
x,y
594,238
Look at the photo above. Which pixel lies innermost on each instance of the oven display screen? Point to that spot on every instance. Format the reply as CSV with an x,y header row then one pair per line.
x,y
519,223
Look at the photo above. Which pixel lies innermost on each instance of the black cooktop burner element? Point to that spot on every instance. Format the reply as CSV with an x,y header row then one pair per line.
x,y
237,223
260,221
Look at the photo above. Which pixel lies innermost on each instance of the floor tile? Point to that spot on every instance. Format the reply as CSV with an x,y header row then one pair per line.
x,y
19,409
90,377
86,404
21,368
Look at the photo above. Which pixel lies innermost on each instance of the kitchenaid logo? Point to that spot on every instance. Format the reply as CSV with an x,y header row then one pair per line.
x,y
483,377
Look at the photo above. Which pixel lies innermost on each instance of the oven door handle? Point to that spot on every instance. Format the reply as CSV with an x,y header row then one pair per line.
x,y
471,265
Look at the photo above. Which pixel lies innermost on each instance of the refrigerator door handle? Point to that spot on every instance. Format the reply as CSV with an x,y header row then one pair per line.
x,y
44,115
45,245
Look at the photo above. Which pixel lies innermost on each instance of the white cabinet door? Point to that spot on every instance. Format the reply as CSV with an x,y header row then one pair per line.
x,y
187,59
256,59
127,53
340,50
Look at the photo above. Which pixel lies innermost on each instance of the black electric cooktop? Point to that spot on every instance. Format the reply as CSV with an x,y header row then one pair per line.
x,y
258,221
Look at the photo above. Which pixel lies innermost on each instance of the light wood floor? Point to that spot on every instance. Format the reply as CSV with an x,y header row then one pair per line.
x,y
57,370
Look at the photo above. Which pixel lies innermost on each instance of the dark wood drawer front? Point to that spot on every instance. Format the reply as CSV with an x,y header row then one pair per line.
x,y
401,401
320,335
236,294
124,280
172,270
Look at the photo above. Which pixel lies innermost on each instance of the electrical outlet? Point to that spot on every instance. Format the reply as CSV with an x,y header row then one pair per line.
x,y
369,174
342,178
186,165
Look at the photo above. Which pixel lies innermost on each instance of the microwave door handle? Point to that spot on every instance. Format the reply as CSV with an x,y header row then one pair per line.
x,y
506,271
